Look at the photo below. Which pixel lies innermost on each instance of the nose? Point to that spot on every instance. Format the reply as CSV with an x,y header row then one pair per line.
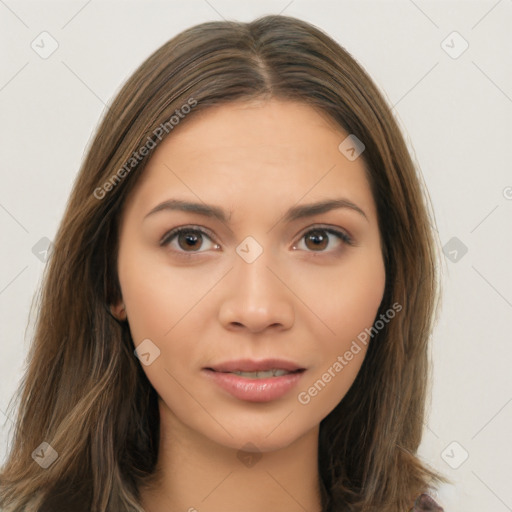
x,y
256,298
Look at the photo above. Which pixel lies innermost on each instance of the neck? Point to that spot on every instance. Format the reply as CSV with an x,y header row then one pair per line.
x,y
195,473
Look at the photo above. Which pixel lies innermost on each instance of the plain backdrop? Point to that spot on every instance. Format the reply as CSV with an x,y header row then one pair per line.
x,y
443,65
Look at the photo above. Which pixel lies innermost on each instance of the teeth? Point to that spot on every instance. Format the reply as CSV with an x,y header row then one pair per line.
x,y
263,374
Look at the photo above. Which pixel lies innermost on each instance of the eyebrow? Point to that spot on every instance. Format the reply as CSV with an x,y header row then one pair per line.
x,y
308,210
187,206
293,213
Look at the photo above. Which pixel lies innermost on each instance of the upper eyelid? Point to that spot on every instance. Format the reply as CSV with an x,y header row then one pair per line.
x,y
192,227
327,227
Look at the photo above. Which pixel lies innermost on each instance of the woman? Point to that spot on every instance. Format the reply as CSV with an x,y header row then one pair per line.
x,y
237,308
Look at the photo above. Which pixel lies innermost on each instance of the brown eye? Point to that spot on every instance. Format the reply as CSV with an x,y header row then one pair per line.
x,y
187,240
317,239
190,240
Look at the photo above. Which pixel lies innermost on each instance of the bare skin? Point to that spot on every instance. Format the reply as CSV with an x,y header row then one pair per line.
x,y
305,299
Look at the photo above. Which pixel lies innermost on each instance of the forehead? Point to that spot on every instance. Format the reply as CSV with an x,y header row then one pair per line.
x,y
255,152
281,128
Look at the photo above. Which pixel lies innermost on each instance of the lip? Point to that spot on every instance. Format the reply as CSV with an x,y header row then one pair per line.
x,y
251,365
254,390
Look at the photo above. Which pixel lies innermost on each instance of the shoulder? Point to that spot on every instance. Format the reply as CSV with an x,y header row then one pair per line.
x,y
443,497
426,503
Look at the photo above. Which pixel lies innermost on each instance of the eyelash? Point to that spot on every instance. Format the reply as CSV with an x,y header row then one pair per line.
x,y
168,237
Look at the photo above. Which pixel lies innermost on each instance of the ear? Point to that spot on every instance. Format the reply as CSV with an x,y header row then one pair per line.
x,y
118,310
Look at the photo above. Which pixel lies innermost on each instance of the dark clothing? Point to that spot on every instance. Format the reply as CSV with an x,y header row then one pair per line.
x,y
426,503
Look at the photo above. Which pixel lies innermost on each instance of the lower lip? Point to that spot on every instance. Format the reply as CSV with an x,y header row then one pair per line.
x,y
255,390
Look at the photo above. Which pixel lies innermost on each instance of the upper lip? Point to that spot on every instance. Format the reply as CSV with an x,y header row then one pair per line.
x,y
250,365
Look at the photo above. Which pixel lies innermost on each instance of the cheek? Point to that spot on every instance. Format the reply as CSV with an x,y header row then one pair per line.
x,y
355,303
346,299
157,295
164,305
347,302
347,307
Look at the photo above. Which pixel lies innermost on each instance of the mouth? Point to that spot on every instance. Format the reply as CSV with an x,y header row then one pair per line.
x,y
260,374
261,385
257,369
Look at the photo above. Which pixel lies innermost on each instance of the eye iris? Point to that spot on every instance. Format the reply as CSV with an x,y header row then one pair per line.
x,y
190,238
319,238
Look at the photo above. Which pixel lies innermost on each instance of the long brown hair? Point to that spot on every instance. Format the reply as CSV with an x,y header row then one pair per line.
x,y
84,392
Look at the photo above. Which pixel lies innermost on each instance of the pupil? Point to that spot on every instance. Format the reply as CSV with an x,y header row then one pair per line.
x,y
191,239
317,237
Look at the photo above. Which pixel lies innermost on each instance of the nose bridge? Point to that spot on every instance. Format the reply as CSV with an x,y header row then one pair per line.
x,y
256,298
256,281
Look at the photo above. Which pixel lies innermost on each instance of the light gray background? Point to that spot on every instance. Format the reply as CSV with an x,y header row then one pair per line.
x,y
456,114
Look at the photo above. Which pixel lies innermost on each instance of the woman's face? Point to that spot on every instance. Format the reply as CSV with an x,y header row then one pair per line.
x,y
259,274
